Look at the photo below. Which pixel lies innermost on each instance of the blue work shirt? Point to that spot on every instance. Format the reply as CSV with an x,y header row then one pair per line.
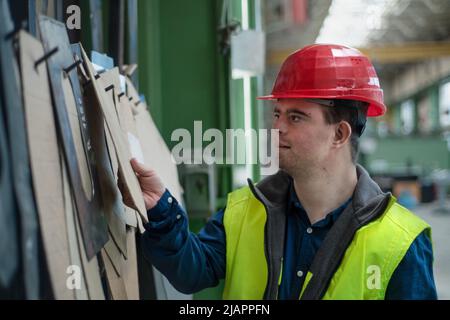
x,y
193,262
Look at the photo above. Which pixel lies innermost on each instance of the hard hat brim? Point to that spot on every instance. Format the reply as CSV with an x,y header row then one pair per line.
x,y
375,108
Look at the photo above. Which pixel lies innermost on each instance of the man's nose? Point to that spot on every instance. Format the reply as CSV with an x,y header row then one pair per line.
x,y
280,125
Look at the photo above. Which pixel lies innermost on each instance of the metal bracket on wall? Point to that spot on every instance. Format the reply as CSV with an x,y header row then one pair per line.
x,y
92,221
227,28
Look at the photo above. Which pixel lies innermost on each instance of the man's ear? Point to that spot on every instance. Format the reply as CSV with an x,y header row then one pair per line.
x,y
342,134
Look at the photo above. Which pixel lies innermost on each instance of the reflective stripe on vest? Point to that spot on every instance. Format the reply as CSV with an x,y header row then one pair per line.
x,y
364,272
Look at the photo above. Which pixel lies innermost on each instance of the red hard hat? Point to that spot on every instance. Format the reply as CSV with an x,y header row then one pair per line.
x,y
328,71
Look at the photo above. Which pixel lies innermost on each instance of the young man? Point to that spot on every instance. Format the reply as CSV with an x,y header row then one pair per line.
x,y
320,228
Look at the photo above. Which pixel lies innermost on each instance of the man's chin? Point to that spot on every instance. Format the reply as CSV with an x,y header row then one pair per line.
x,y
291,169
284,167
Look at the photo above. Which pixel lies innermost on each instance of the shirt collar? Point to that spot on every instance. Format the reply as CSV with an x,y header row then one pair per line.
x,y
295,206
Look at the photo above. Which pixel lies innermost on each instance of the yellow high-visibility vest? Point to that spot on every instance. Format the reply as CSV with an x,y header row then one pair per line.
x,y
364,272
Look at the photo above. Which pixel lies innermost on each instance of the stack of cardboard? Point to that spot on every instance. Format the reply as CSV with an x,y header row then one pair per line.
x,y
79,130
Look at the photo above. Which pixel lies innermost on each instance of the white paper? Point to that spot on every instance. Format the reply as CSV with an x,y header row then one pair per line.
x,y
135,147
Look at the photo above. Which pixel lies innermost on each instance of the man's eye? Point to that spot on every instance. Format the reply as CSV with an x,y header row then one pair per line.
x,y
295,118
276,115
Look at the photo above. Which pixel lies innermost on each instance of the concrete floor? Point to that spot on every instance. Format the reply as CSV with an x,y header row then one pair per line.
x,y
440,224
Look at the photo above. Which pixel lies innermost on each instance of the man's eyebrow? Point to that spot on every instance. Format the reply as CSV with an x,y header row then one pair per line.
x,y
296,111
293,111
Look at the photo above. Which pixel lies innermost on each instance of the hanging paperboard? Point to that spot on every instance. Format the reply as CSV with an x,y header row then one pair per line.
x,y
44,158
147,140
131,217
90,284
126,120
91,269
128,125
109,80
130,271
20,166
61,65
151,140
115,256
77,137
116,284
76,285
112,200
129,177
9,246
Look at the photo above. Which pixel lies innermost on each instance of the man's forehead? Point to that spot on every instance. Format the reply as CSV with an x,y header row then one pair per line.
x,y
297,104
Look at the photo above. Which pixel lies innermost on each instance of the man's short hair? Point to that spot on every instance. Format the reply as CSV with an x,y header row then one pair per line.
x,y
353,112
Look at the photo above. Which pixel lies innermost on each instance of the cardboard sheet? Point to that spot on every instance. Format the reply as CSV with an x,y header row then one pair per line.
x,y
19,167
123,154
77,139
131,91
108,79
128,125
45,164
157,156
116,284
91,269
74,249
137,120
130,270
93,223
151,140
91,285
106,167
131,217
115,256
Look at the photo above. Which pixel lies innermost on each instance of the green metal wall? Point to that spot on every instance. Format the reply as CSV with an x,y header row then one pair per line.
x,y
181,71
178,63
184,77
428,151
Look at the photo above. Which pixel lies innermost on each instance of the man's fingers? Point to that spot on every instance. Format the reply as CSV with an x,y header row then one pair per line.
x,y
139,168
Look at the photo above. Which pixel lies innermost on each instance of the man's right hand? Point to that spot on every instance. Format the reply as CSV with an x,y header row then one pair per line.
x,y
151,185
